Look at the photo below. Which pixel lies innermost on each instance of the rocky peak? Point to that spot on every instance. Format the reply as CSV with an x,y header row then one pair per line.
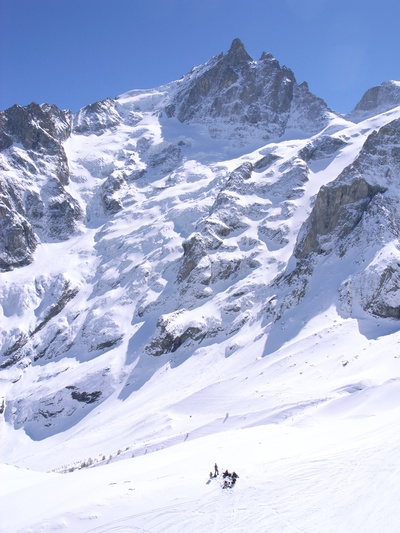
x,y
266,56
237,55
36,127
239,98
377,100
97,117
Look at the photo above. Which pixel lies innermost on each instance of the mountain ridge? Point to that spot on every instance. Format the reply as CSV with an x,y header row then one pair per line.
x,y
228,209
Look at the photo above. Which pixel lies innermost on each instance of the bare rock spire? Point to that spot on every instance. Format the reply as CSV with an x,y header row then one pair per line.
x,y
237,54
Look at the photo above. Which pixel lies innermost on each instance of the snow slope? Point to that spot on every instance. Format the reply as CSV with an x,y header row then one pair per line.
x,y
312,431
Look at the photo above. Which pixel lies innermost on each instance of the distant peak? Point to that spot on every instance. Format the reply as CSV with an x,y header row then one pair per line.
x,y
237,53
236,45
376,100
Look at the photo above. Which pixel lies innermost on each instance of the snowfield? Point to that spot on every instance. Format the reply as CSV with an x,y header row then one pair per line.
x,y
333,477
312,430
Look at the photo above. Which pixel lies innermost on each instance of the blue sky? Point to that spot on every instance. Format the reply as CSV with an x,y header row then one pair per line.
x,y
75,52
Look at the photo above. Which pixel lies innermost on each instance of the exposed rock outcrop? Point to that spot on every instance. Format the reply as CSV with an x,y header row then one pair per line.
x,y
111,203
195,258
322,147
37,127
34,203
261,96
96,118
179,328
17,238
337,210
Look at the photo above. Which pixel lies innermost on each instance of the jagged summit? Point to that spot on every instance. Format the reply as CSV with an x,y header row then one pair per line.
x,y
268,56
237,54
239,98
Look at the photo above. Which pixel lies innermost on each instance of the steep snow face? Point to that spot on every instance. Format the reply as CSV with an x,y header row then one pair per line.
x,y
165,245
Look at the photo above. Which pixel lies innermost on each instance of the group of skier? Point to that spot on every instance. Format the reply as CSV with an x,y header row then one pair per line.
x,y
228,478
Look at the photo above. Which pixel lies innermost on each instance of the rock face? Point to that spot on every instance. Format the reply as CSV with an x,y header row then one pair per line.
x,y
357,212
377,100
96,118
17,238
36,127
235,91
34,204
321,147
337,211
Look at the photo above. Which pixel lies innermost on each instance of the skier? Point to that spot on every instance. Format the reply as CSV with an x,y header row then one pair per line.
x,y
216,470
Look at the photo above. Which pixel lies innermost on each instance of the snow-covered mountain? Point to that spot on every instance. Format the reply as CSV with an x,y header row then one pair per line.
x,y
217,254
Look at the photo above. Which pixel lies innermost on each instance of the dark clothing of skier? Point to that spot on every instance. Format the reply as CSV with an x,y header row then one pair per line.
x,y
216,469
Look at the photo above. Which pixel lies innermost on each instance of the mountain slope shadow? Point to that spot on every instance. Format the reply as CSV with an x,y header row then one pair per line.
x,y
317,291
